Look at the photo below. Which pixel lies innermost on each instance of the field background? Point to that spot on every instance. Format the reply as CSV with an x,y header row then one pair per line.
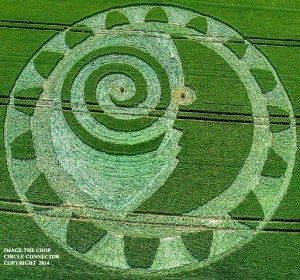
x,y
220,125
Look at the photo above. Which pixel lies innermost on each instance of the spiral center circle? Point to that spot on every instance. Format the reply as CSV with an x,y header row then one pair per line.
x,y
115,86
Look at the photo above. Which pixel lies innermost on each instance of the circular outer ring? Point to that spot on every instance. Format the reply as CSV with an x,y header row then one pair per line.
x,y
268,190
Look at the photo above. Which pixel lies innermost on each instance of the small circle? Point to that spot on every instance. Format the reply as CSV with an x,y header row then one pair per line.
x,y
184,96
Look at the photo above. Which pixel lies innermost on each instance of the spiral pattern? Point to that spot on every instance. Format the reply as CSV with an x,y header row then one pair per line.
x,y
137,92
129,79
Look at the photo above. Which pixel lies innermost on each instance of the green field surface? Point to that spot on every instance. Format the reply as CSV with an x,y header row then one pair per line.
x,y
150,139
